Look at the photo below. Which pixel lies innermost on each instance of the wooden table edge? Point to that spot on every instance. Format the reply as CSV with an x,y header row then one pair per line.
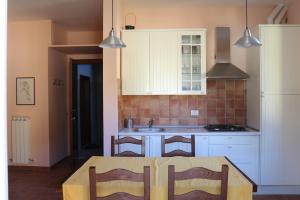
x,y
254,185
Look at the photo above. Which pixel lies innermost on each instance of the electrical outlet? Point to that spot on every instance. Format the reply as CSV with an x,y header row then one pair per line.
x,y
194,113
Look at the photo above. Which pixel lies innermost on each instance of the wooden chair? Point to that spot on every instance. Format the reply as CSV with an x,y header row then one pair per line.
x,y
127,140
177,152
120,174
200,173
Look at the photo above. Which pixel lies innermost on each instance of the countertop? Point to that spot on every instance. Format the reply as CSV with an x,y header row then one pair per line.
x,y
186,130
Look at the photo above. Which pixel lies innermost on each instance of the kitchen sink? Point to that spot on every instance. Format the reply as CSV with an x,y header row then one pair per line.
x,y
149,130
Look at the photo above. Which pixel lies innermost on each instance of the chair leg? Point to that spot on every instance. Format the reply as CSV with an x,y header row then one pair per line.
x,y
112,141
171,182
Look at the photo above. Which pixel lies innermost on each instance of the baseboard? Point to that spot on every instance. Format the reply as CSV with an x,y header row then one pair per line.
x,y
278,190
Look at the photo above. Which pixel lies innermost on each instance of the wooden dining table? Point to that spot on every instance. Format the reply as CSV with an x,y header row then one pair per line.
x,y
77,186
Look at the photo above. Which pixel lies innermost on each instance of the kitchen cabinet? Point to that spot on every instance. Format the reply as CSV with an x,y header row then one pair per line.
x,y
135,66
280,164
280,105
243,151
155,146
178,145
279,57
201,145
134,147
164,62
192,63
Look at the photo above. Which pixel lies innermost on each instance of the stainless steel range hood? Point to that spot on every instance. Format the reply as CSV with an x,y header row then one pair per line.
x,y
224,69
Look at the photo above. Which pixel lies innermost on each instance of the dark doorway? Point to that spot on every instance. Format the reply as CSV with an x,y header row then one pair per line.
x,y
85,111
87,108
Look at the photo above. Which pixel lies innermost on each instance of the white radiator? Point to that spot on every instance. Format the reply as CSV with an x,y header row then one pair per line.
x,y
20,139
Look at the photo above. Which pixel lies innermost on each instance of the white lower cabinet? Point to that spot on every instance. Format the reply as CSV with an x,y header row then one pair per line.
x,y
134,147
243,151
201,147
178,145
155,146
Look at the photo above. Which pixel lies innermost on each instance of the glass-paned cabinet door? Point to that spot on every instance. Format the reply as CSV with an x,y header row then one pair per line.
x,y
192,62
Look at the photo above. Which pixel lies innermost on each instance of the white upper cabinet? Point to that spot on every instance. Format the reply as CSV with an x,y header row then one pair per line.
x,y
135,65
280,59
192,62
164,62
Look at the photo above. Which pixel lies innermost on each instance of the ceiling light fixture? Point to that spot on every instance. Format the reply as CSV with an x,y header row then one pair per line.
x,y
248,40
112,41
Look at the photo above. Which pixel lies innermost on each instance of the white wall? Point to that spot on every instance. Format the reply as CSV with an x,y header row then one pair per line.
x,y
3,107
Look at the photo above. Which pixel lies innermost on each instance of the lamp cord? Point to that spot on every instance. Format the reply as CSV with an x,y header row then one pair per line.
x,y
247,14
112,13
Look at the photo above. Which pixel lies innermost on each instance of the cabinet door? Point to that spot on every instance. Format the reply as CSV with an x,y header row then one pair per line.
x,y
155,146
280,59
192,62
243,151
280,163
178,145
135,63
133,147
201,147
163,62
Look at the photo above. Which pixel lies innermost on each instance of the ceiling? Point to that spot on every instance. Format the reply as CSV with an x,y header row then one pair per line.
x,y
74,14
87,14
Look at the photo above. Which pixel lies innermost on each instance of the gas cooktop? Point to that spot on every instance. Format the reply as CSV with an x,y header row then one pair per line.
x,y
230,128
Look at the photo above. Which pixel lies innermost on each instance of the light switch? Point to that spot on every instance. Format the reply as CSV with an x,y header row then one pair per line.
x,y
194,113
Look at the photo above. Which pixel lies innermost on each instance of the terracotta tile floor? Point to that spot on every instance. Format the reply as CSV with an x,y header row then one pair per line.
x,y
44,184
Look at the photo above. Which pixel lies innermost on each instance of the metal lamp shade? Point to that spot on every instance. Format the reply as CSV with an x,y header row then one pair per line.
x,y
248,40
112,41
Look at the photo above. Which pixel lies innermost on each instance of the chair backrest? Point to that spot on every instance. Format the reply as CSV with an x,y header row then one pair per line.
x,y
197,173
177,152
127,140
120,174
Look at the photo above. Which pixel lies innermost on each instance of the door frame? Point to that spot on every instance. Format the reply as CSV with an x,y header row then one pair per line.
x,y
70,94
3,101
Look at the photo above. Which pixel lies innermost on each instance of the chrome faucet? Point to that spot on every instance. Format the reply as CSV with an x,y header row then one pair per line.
x,y
150,123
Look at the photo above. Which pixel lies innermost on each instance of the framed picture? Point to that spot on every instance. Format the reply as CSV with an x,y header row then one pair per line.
x,y
25,91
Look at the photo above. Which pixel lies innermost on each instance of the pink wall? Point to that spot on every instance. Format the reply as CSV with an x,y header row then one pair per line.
x,y
189,14
3,101
110,84
28,56
62,35
294,12
84,37
57,106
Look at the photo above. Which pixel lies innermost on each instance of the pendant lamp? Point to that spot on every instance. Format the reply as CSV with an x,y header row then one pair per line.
x,y
248,40
112,41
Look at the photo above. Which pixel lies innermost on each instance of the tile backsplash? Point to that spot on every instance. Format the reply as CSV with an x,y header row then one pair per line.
x,y
225,103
